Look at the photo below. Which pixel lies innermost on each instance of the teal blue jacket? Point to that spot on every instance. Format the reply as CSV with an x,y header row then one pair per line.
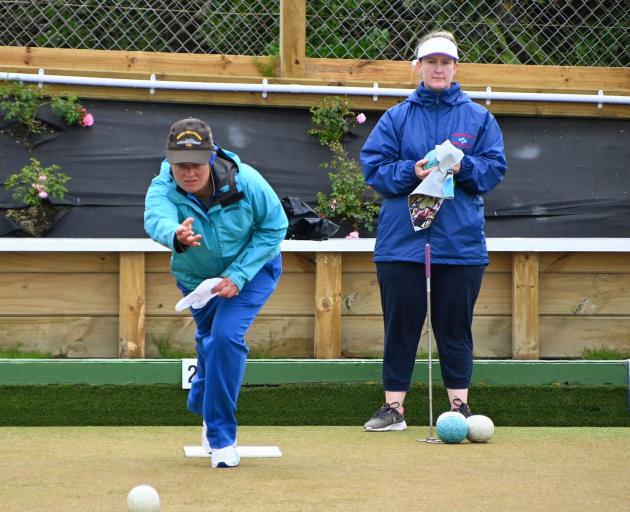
x,y
237,239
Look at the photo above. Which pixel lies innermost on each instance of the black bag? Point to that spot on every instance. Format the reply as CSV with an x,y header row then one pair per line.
x,y
304,223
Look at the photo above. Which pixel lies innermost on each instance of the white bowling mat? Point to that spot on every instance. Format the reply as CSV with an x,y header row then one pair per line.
x,y
243,451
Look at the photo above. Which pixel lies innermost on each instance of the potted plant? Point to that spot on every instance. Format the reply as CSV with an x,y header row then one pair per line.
x,y
351,201
34,186
332,119
21,106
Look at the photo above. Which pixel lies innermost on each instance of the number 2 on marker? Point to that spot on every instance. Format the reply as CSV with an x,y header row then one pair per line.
x,y
193,371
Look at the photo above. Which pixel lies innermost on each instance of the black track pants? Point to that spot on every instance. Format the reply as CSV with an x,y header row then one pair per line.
x,y
454,290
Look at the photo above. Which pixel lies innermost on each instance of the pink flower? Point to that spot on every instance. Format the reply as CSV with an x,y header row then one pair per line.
x,y
88,119
42,178
43,195
354,235
333,205
361,118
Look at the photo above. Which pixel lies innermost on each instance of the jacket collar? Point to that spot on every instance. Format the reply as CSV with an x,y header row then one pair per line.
x,y
223,174
429,97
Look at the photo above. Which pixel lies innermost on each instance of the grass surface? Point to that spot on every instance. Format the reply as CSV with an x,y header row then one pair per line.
x,y
307,404
323,469
602,353
16,352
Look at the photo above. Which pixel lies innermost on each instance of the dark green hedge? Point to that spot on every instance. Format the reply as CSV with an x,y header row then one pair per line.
x,y
307,404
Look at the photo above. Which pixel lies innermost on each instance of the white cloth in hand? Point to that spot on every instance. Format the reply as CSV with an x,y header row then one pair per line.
x,y
440,182
432,184
448,155
200,296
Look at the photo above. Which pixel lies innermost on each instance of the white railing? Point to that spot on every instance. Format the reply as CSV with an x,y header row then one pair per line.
x,y
265,88
330,245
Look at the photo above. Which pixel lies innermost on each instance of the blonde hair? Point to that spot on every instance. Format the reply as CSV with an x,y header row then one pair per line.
x,y
431,35
442,33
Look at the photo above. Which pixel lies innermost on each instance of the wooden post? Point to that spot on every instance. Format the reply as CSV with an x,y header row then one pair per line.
x,y
525,306
328,305
292,38
131,305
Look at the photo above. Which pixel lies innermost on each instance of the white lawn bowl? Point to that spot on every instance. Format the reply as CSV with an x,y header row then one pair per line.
x,y
143,498
480,428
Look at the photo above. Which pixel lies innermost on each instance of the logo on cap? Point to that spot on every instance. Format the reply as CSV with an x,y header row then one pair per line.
x,y
194,139
189,140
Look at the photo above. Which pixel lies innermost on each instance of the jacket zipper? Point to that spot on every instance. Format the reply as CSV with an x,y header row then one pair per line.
x,y
437,110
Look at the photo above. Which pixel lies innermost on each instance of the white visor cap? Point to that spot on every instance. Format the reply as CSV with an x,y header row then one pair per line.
x,y
437,45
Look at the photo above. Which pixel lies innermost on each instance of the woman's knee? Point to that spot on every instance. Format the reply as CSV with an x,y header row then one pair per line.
x,y
221,341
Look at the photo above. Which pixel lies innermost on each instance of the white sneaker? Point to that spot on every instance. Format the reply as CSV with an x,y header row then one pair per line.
x,y
225,457
204,438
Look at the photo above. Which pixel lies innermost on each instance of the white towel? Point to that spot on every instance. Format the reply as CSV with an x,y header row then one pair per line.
x,y
200,296
426,199
439,183
448,155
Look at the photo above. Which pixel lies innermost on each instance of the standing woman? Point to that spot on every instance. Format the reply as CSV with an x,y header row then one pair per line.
x,y
220,219
392,160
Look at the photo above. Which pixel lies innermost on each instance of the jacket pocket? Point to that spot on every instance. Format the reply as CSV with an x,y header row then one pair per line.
x,y
234,225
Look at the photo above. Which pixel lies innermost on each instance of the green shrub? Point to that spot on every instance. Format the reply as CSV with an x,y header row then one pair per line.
x,y
34,184
332,119
69,109
20,103
351,198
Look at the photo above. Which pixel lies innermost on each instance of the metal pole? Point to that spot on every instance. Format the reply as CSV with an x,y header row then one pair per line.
x,y
427,268
427,273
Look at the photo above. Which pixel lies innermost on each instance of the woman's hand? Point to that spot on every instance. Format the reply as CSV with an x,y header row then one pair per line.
x,y
226,289
421,172
186,235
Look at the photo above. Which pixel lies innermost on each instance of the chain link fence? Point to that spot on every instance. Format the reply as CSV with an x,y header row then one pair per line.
x,y
230,27
574,33
583,33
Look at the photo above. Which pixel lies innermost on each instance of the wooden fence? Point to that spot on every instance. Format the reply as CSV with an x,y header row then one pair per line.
x,y
292,66
115,298
102,298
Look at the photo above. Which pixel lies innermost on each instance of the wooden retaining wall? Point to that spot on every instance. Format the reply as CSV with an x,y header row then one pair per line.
x,y
315,71
118,302
113,303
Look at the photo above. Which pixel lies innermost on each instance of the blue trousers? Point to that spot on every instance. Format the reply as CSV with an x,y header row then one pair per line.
x,y
222,352
454,291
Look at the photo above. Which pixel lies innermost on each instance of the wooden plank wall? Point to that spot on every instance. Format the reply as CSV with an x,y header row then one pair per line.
x,y
584,302
113,305
300,69
363,322
110,304
63,303
285,326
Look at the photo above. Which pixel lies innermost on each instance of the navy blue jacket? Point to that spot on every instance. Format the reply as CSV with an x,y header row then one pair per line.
x,y
405,134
